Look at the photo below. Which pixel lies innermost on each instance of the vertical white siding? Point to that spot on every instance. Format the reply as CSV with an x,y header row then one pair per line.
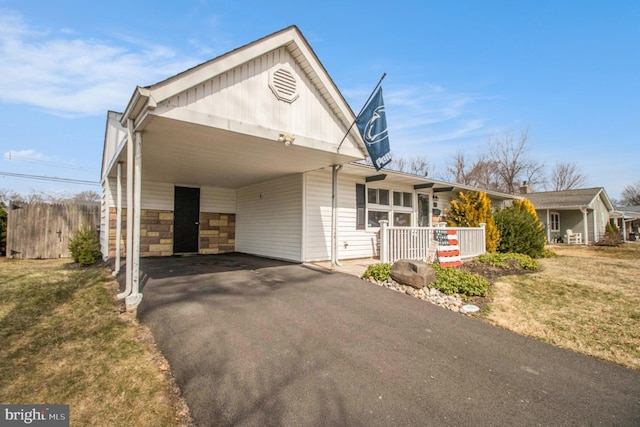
x,y
225,96
269,218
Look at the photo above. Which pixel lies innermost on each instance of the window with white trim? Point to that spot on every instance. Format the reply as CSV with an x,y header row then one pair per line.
x,y
554,221
377,206
393,206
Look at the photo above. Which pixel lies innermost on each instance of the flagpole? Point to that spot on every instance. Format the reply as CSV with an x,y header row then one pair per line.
x,y
362,109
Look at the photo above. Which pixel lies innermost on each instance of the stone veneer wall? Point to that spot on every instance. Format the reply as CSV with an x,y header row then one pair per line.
x,y
217,233
156,232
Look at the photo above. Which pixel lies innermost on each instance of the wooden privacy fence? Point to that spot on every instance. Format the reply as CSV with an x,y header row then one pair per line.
x,y
43,230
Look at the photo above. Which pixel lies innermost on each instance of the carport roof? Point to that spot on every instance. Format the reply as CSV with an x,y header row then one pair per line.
x,y
189,147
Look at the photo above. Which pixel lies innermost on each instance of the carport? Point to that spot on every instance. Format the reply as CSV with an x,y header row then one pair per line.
x,y
212,159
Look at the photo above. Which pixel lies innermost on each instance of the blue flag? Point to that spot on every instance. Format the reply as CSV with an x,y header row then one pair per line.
x,y
372,123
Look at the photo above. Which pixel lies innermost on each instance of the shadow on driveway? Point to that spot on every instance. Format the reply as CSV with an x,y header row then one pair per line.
x,y
253,341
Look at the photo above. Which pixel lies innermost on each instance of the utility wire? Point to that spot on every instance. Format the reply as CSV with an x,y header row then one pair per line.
x,y
49,178
11,156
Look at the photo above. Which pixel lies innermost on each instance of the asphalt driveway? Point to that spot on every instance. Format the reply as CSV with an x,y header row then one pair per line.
x,y
253,341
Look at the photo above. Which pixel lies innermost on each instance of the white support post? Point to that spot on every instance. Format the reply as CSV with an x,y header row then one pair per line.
x,y
129,245
134,299
118,219
484,237
548,226
585,219
384,241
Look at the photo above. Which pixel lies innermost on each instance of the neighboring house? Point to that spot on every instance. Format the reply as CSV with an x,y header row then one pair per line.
x,y
585,211
627,218
242,153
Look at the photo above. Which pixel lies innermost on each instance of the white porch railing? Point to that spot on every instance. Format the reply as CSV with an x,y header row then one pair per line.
x,y
419,242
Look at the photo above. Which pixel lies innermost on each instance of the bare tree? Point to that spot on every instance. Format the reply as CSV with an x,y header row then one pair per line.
x,y
631,195
479,172
566,176
418,165
86,196
513,166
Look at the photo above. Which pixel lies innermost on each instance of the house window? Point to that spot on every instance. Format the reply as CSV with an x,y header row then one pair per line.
x,y
402,219
375,217
402,199
378,196
554,221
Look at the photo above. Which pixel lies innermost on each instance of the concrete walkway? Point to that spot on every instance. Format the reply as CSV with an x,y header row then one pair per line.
x,y
260,342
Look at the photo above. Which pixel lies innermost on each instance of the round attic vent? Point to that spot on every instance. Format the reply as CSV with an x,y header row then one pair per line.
x,y
283,83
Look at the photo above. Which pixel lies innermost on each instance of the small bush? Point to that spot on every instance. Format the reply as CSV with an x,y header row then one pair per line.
x,y
379,272
509,260
546,253
454,281
520,231
85,246
611,236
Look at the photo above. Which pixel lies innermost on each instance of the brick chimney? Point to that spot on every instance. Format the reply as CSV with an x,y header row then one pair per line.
x,y
525,188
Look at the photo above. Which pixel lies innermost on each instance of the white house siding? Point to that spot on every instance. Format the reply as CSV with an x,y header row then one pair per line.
x,y
359,243
318,218
220,97
218,200
318,207
269,218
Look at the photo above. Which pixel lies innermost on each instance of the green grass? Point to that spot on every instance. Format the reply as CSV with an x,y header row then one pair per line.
x,y
64,341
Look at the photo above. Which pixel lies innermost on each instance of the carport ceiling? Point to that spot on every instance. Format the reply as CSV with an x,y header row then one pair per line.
x,y
189,154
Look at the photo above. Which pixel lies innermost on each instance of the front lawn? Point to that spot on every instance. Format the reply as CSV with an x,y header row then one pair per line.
x,y
64,341
587,300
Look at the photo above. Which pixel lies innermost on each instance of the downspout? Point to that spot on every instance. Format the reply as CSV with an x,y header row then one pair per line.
x,y
135,297
334,216
129,246
118,219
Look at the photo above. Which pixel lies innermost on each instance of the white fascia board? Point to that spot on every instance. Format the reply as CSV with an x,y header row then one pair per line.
x,y
140,100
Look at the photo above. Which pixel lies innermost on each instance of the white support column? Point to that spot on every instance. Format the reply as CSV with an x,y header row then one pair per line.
x,y
118,218
134,299
384,241
548,226
129,245
624,230
596,229
585,222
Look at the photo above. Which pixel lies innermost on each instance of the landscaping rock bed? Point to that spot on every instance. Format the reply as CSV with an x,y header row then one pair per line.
x,y
432,295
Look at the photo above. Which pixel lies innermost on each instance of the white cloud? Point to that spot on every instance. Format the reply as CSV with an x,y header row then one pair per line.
x,y
70,76
24,155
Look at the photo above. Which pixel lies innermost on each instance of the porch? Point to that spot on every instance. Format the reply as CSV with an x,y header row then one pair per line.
x,y
421,243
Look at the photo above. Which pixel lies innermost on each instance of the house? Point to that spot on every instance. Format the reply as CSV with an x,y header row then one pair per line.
x,y
627,219
242,153
584,212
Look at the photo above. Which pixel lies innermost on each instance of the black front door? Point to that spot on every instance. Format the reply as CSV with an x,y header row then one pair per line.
x,y
186,217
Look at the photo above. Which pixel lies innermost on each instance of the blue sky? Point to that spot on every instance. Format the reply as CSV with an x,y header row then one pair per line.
x,y
458,72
